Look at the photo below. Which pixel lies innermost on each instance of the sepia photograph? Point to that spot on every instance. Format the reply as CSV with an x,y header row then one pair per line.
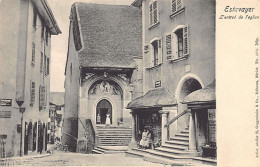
x,y
128,83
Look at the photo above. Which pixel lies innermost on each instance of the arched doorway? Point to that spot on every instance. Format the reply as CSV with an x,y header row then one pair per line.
x,y
26,139
104,108
34,136
30,137
188,86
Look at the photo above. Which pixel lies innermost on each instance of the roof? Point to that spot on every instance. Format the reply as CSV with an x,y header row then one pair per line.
x,y
203,95
153,98
57,98
46,14
110,35
137,3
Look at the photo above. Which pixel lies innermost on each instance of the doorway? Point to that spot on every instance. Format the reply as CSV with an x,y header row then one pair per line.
x,y
104,108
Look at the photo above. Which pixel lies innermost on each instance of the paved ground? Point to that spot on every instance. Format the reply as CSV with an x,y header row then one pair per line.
x,y
76,159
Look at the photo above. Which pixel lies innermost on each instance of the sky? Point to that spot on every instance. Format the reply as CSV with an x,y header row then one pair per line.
x,y
59,43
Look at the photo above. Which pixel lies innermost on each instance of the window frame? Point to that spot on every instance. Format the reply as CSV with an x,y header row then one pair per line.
x,y
152,13
179,7
154,60
33,54
175,56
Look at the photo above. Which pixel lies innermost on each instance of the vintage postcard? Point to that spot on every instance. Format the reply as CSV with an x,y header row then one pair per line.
x,y
129,82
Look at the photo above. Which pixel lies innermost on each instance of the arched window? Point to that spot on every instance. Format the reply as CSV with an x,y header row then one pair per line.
x,y
177,43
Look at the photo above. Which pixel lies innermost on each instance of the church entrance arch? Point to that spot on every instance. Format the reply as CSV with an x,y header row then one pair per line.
x,y
104,112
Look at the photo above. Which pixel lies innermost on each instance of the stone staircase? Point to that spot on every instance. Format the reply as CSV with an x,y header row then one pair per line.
x,y
112,139
173,152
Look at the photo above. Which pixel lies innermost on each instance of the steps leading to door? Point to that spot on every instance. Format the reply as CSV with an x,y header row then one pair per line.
x,y
173,152
114,135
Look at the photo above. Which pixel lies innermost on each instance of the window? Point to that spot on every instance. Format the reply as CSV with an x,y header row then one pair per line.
x,y
154,13
32,93
42,99
42,33
177,6
34,18
46,36
33,54
48,66
156,53
58,107
45,64
177,45
41,65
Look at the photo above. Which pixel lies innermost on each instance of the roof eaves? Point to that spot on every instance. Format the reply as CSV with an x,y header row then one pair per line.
x,y
51,16
137,3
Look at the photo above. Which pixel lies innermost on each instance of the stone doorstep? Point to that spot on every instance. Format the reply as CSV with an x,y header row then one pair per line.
x,y
178,160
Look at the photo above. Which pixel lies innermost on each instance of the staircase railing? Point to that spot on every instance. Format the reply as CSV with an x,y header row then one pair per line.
x,y
175,118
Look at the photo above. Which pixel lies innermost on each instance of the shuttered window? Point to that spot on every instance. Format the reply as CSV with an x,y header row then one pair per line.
x,y
33,54
48,66
185,41
34,17
46,36
168,43
45,64
155,53
42,97
180,43
41,63
176,5
32,93
154,13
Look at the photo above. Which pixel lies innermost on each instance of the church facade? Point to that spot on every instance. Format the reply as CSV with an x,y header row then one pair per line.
x,y
102,70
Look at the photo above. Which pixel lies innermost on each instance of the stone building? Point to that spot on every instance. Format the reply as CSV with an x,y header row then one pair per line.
x,y
178,47
25,47
102,74
56,115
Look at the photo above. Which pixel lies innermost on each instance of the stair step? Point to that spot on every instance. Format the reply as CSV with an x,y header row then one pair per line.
x,y
171,151
178,147
96,152
162,154
185,131
182,135
180,139
177,143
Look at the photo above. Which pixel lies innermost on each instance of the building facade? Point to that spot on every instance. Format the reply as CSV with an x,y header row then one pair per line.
x,y
178,58
56,115
26,29
102,70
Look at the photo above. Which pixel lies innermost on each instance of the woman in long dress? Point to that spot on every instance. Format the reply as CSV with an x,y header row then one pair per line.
x,y
146,139
108,122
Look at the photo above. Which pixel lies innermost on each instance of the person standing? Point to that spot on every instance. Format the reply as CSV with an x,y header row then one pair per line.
x,y
98,119
108,122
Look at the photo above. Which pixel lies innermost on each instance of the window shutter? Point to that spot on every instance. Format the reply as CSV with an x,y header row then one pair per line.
x,y
179,4
155,12
160,54
168,43
33,53
185,41
41,65
151,61
45,64
151,14
48,66
32,93
42,97
174,7
174,46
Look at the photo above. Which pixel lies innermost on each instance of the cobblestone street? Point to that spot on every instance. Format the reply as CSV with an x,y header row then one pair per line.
x,y
75,159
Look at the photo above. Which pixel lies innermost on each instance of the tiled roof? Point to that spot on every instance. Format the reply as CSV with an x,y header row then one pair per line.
x,y
57,98
203,95
112,35
153,98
